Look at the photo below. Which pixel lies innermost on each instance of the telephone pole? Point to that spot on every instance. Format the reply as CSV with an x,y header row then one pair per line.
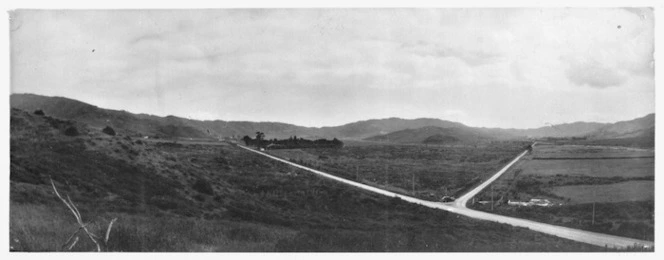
x,y
386,177
491,197
357,172
593,221
413,184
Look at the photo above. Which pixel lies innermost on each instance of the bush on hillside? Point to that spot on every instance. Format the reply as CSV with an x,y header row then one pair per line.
x,y
108,130
203,186
71,131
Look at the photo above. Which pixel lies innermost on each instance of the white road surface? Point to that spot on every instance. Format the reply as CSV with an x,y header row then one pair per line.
x,y
459,207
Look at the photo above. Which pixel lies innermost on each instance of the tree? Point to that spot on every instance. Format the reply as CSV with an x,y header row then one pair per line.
x,y
259,138
247,140
100,241
337,143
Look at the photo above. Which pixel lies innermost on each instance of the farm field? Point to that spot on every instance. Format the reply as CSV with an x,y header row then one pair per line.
x,y
428,172
617,192
574,178
585,152
620,167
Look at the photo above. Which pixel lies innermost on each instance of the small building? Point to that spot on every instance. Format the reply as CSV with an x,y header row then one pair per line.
x,y
532,202
541,202
518,203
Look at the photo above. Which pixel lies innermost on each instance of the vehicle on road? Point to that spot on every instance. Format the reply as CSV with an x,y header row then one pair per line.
x,y
447,199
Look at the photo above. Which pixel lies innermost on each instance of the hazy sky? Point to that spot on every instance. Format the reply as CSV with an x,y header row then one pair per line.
x,y
315,67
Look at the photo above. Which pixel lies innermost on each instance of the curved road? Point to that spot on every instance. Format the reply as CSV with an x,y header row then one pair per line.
x,y
459,207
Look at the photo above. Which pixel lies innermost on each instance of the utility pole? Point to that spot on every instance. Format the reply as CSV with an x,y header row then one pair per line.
x,y
386,177
491,197
413,184
594,198
357,172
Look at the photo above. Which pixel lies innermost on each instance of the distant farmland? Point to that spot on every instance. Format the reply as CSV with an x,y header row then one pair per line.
x,y
574,177
623,191
581,152
592,167
427,172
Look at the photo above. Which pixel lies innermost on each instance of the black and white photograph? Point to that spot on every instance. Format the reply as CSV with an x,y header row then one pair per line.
x,y
331,129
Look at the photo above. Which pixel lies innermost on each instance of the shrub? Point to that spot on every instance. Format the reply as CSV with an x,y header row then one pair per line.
x,y
108,130
199,197
203,186
39,112
71,131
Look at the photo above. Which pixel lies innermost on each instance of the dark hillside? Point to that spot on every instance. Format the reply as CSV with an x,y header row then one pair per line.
x,y
125,122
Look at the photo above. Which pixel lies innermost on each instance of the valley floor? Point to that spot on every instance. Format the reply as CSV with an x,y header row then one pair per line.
x,y
170,196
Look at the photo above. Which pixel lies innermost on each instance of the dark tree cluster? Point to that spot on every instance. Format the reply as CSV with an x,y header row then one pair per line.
x,y
291,143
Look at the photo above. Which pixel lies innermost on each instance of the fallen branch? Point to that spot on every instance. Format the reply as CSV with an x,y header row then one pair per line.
x,y
82,226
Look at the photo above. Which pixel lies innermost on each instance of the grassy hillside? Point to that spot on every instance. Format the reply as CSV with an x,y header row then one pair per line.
x,y
433,135
644,126
575,129
191,197
368,128
127,123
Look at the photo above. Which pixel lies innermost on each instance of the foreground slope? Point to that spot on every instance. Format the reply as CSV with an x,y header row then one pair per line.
x,y
182,197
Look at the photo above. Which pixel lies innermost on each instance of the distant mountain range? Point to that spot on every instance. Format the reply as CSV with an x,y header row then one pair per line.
x,y
434,135
421,130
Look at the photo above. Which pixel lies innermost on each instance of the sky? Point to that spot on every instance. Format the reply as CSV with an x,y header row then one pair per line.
x,y
509,68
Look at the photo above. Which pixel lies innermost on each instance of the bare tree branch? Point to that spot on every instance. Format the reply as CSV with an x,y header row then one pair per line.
x,y
70,238
78,214
73,244
63,200
108,231
82,226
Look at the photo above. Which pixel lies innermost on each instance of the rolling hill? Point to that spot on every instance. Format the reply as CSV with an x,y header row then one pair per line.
x,y
177,127
171,126
639,127
368,128
433,135
142,124
576,129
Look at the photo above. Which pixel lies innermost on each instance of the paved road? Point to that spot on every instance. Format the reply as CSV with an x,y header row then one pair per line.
x,y
459,207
